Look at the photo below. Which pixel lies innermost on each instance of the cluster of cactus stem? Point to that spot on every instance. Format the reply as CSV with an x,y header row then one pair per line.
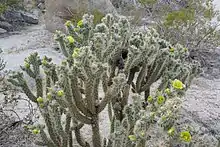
x,y
108,57
2,66
2,63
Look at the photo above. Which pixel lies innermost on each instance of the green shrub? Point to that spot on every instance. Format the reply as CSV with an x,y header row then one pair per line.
x,y
4,4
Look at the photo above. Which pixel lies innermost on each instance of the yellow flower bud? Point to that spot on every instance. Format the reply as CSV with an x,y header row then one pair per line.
x,y
70,39
60,93
80,23
27,65
167,91
171,131
44,62
35,131
185,136
171,49
132,137
160,99
49,96
150,99
40,100
75,52
68,23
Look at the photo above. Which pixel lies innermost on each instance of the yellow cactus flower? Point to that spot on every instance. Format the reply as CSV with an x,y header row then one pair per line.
x,y
132,137
160,99
185,136
177,84
70,39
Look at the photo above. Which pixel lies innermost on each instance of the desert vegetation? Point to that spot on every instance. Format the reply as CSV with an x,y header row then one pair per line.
x,y
134,65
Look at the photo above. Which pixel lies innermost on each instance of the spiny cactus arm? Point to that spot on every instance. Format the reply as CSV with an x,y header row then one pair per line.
x,y
54,75
104,102
59,36
50,69
104,82
95,91
126,92
90,100
129,61
17,79
28,92
77,114
138,60
33,61
28,71
48,83
155,75
77,96
58,125
68,129
79,137
132,74
45,139
88,70
50,127
141,76
110,115
111,92
117,135
39,86
112,74
2,64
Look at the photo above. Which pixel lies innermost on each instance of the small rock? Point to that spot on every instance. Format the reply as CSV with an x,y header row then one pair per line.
x,y
2,31
6,26
29,18
41,6
12,16
2,18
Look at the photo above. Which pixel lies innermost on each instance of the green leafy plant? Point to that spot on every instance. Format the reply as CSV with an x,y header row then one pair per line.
x,y
191,24
4,4
105,66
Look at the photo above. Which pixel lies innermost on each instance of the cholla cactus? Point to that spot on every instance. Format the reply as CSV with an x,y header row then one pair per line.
x,y
108,55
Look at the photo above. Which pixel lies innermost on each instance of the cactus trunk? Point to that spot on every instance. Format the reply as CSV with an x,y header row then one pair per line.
x,y
96,138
